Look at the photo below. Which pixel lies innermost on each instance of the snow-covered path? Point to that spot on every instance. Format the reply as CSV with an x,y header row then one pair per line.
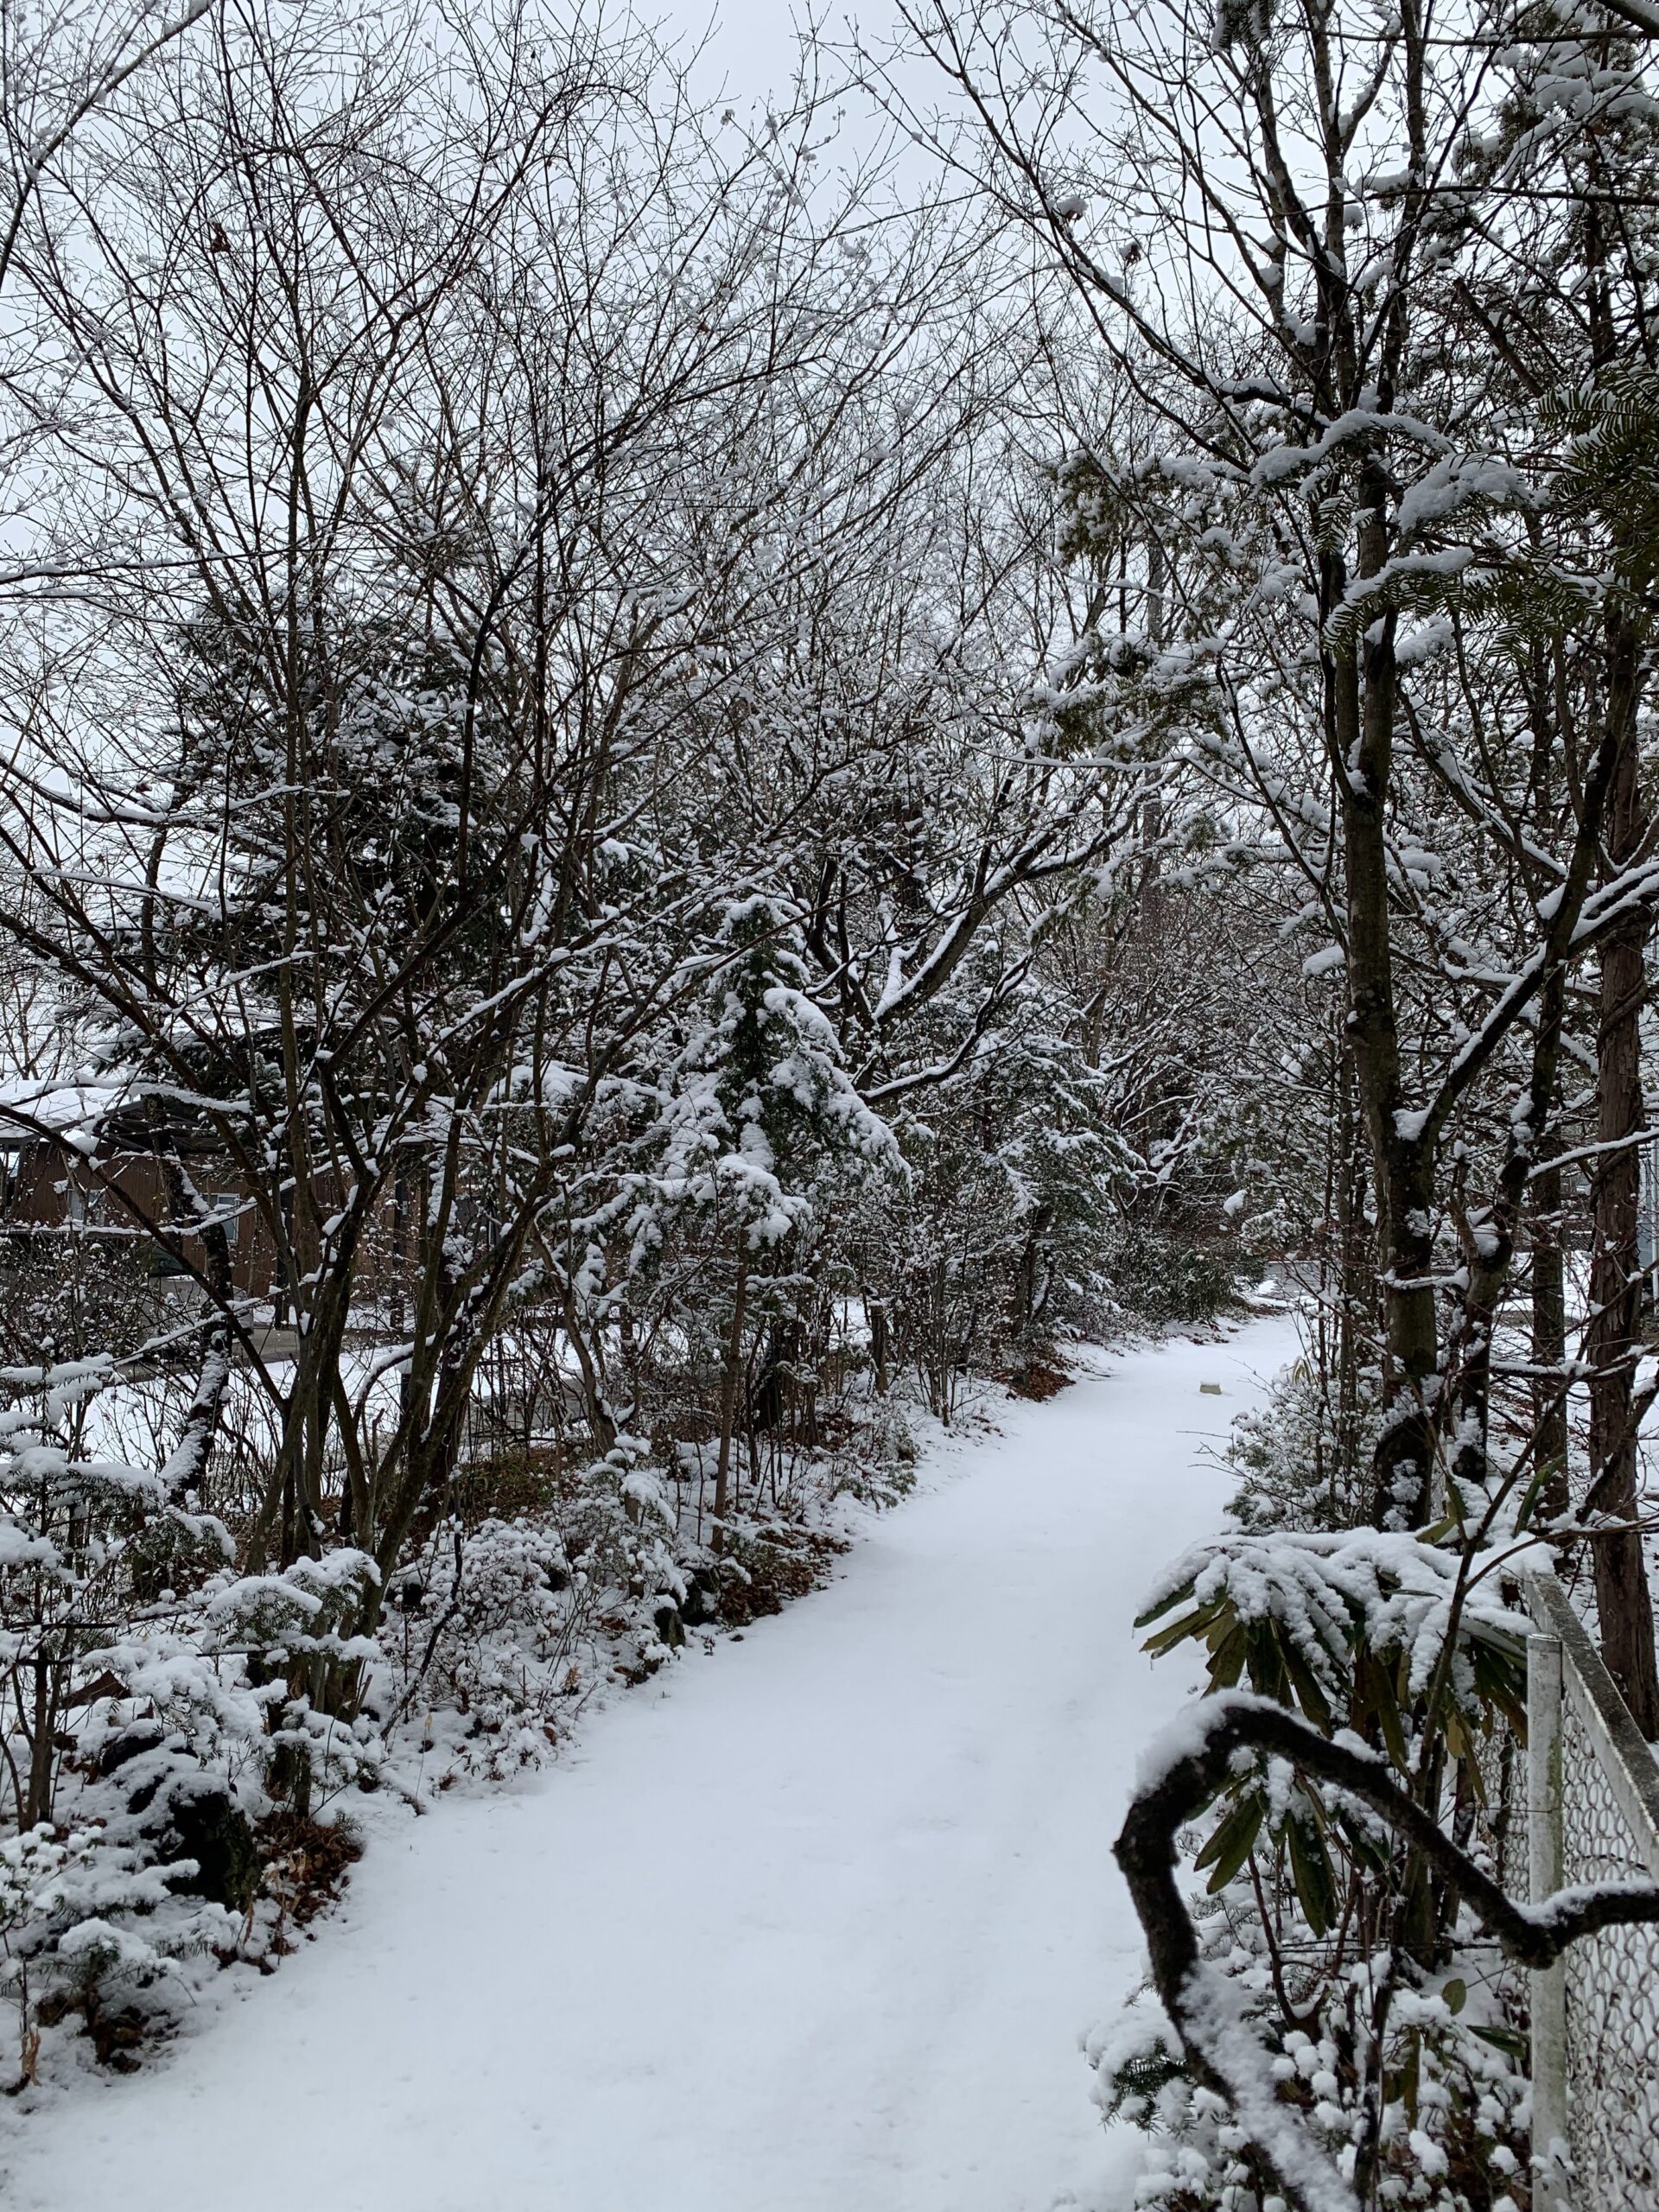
x,y
812,1927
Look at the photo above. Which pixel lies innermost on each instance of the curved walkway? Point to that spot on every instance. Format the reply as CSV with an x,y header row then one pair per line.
x,y
811,1925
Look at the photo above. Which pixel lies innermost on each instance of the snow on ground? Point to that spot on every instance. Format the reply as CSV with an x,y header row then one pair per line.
x,y
809,1924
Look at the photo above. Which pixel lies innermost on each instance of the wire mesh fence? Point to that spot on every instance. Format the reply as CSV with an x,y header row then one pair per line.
x,y
1592,1815
1612,2002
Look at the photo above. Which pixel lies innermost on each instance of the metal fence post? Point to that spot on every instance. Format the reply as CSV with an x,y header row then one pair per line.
x,y
1545,1854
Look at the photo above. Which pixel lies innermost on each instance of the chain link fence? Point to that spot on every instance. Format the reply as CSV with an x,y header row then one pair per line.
x,y
1592,1815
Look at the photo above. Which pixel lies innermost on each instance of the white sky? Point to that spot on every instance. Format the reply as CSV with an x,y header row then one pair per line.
x,y
752,46
751,53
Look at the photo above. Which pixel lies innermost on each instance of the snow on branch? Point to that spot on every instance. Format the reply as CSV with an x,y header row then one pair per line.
x,y
1183,1773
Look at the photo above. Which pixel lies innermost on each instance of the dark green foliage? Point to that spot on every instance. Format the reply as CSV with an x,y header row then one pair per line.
x,y
206,1824
1162,1275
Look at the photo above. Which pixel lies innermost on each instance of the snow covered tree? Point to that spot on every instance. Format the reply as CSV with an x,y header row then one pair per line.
x,y
1336,545
760,1115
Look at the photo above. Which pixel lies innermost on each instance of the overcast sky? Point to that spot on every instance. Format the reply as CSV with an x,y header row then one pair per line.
x,y
752,45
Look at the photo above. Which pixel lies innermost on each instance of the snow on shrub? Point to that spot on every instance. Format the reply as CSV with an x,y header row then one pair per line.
x,y
1387,2033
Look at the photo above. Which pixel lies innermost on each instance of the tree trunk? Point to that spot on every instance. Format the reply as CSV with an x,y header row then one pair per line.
x,y
1624,1602
1359,706
729,1385
880,1335
595,1408
1549,1345
1356,1300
